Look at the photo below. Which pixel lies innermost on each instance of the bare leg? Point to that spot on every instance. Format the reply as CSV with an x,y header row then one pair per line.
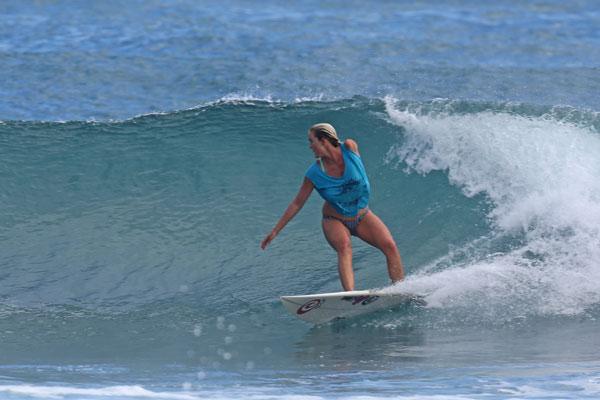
x,y
373,231
338,237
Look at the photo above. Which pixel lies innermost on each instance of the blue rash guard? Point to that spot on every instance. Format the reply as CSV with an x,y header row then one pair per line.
x,y
347,194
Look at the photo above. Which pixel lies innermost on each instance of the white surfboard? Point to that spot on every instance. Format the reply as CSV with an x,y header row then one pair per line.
x,y
324,307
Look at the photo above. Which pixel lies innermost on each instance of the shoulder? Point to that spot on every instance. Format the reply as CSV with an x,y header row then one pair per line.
x,y
351,145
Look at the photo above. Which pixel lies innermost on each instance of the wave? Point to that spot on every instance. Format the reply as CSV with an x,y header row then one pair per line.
x,y
501,215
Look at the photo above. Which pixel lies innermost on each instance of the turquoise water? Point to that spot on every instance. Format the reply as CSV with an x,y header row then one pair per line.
x,y
144,157
131,254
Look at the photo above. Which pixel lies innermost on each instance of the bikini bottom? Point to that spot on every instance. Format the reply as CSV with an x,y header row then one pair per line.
x,y
351,224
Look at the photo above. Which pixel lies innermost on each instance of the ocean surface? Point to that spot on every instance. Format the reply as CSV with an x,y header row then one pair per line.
x,y
147,147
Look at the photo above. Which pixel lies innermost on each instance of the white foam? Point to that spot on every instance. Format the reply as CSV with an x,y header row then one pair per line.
x,y
138,392
241,98
588,385
58,392
245,98
249,98
541,176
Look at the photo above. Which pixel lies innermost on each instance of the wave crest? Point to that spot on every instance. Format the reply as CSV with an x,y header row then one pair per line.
x,y
539,172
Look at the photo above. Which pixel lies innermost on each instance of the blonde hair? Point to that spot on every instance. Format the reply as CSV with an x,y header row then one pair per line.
x,y
327,131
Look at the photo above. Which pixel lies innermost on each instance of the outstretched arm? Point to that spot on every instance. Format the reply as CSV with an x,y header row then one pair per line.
x,y
295,206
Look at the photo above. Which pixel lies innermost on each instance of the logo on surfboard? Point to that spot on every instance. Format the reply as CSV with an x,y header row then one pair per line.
x,y
309,306
364,300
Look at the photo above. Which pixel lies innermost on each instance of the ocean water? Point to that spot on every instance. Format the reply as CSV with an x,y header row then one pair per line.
x,y
147,147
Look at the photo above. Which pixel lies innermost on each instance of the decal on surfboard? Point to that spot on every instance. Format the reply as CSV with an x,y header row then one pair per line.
x,y
309,305
364,300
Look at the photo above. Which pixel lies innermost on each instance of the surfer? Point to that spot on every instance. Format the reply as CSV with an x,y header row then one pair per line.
x,y
340,178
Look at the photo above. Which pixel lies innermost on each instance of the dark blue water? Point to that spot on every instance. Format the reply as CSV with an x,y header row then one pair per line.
x,y
115,59
130,265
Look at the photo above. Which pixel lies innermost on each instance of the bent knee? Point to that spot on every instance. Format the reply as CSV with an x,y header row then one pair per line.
x,y
343,246
389,246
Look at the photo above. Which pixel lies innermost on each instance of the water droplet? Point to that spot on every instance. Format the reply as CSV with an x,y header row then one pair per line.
x,y
227,356
228,339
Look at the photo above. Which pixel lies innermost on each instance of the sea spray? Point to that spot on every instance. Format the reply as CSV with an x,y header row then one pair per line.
x,y
540,175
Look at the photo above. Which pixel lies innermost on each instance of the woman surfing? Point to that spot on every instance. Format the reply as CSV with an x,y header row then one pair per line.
x,y
340,178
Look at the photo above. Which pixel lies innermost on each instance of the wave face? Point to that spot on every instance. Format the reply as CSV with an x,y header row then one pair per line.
x,y
493,205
